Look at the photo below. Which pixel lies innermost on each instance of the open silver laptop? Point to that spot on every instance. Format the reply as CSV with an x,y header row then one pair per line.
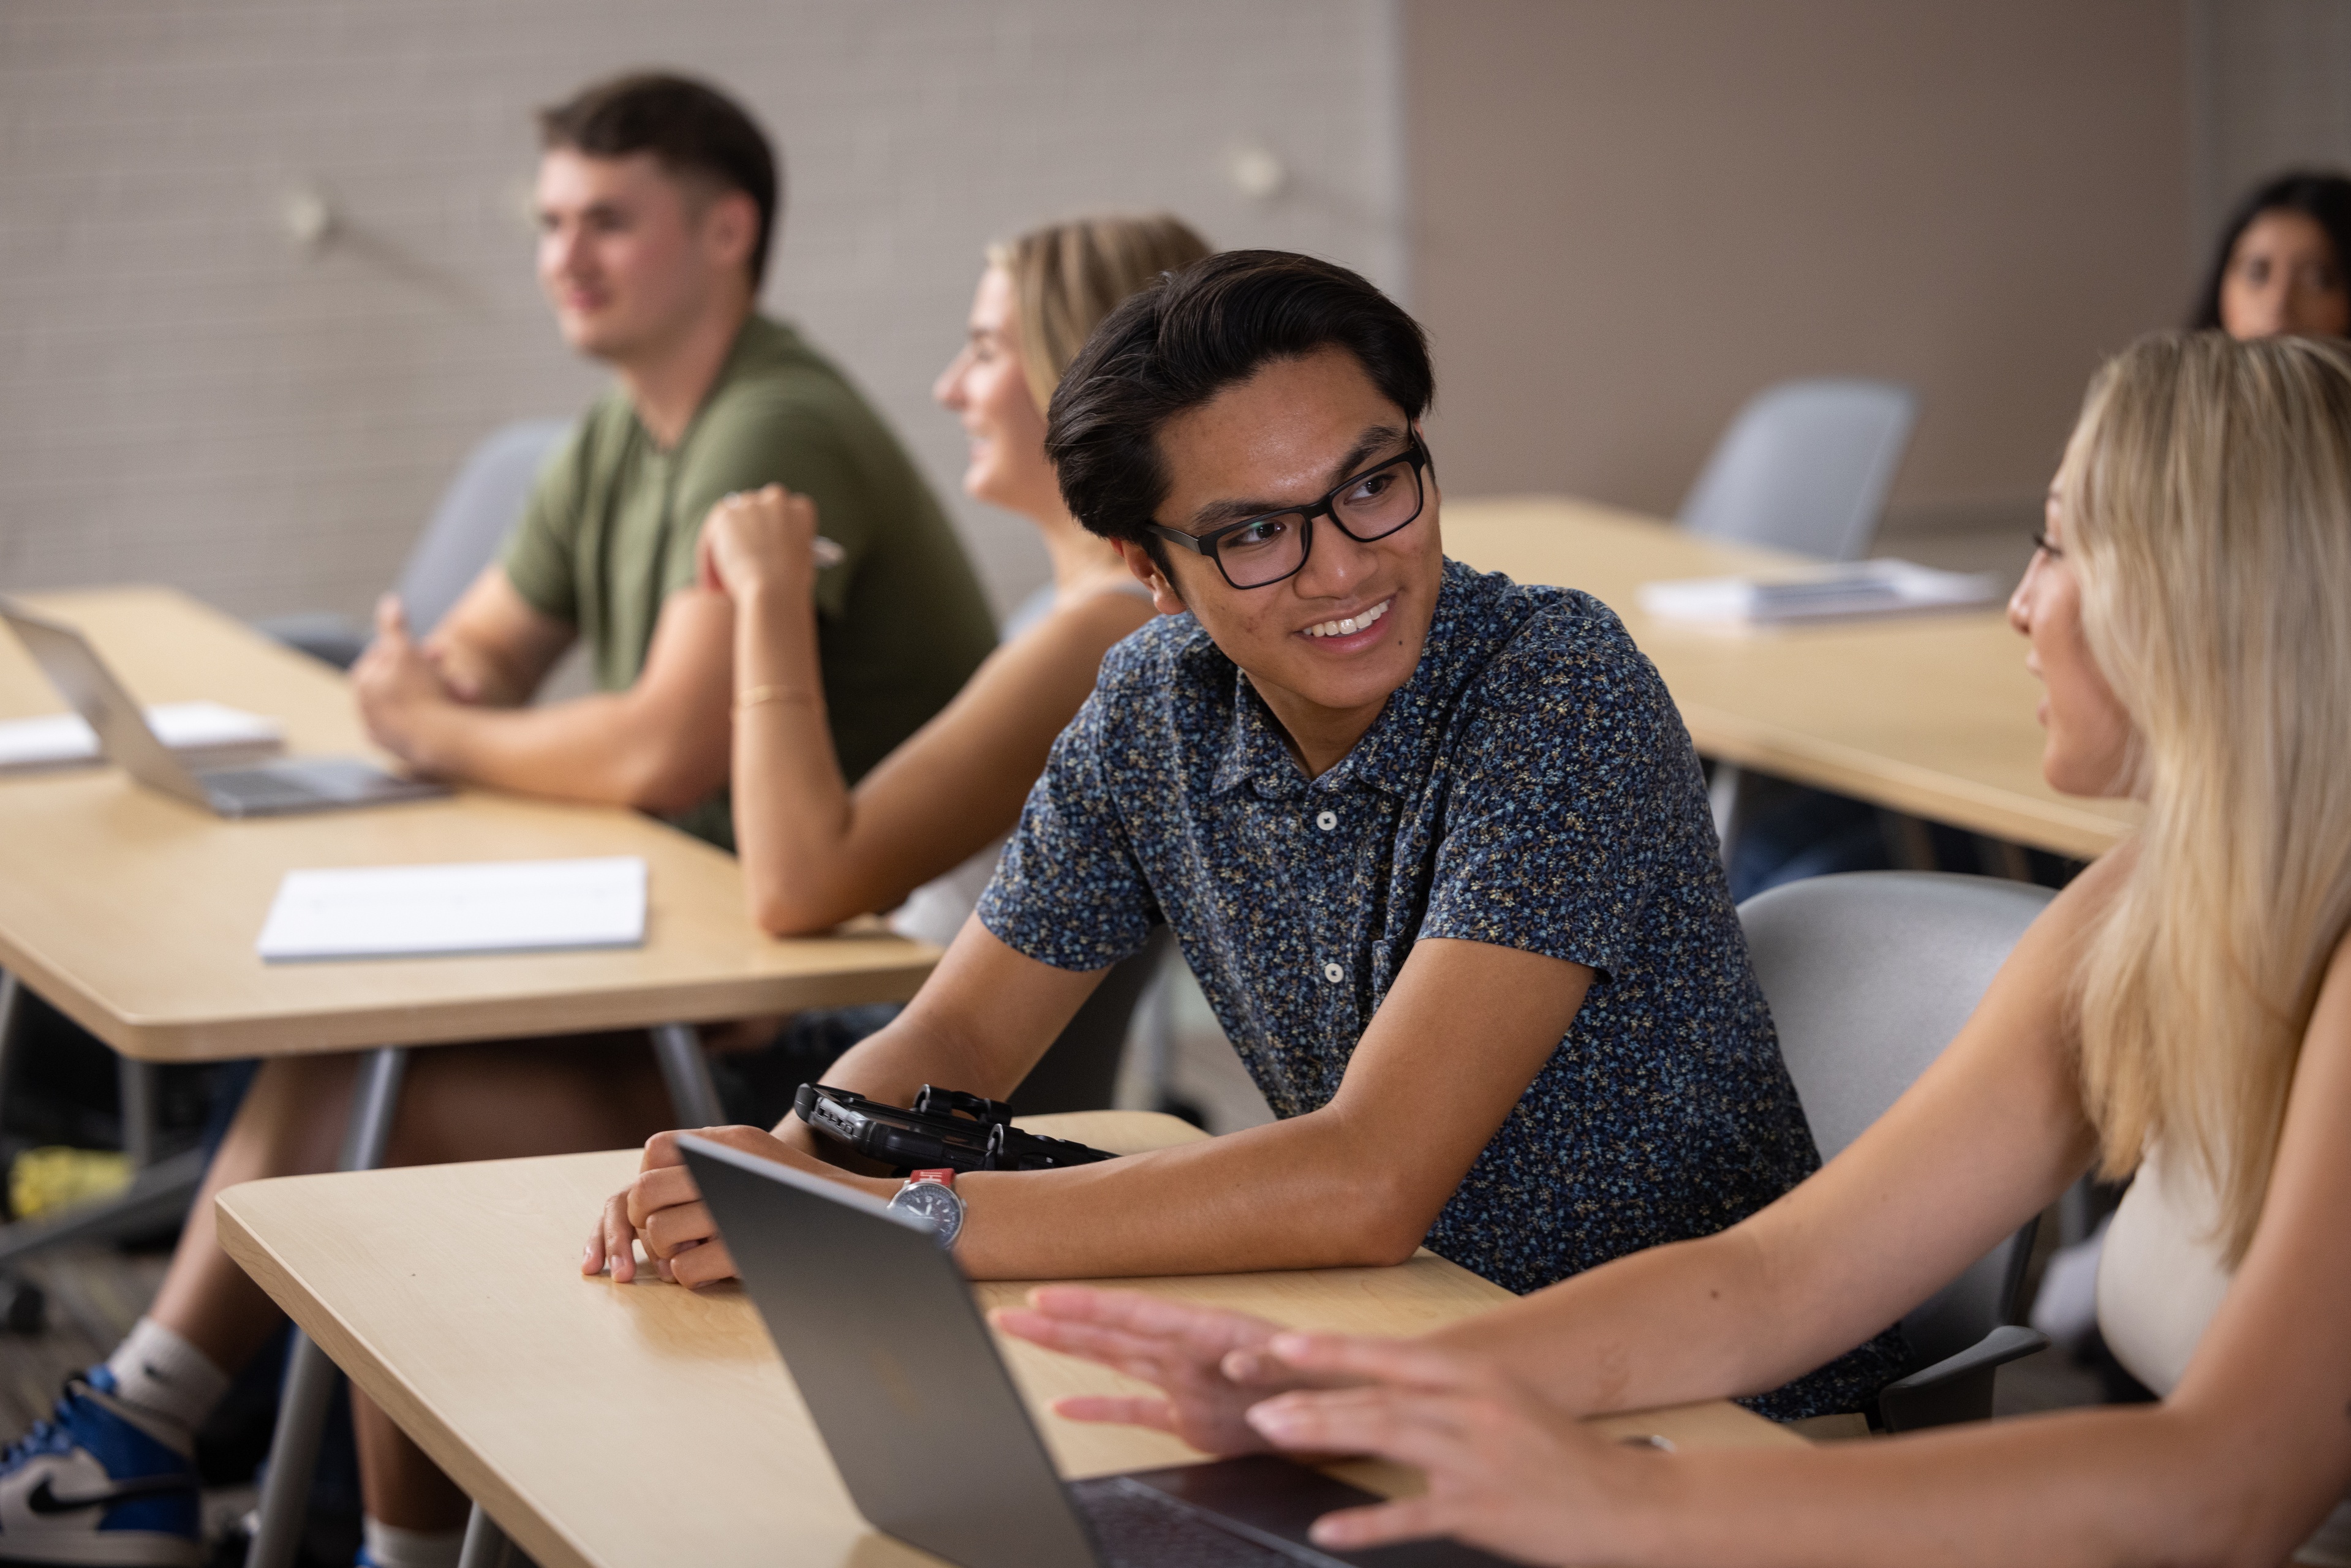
x,y
265,789
879,1330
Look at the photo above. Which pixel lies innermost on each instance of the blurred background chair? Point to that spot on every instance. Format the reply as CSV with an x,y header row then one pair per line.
x,y
1869,976
1803,467
480,506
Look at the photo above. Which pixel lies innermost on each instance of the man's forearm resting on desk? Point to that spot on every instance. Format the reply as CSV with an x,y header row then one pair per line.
x,y
1357,1182
449,706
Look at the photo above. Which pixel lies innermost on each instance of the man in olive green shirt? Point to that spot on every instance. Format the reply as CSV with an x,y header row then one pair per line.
x,y
656,198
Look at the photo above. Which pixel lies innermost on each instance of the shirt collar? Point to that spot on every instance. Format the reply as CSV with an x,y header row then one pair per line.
x,y
1394,754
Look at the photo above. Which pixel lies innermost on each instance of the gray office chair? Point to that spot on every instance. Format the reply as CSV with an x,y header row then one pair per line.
x,y
481,505
1869,975
1803,467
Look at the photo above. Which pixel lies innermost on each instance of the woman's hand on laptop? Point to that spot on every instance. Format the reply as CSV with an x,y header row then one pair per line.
x,y
1506,1471
662,1207
1212,1365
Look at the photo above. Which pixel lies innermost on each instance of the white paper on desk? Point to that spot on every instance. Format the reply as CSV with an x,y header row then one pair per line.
x,y
202,732
488,906
1850,591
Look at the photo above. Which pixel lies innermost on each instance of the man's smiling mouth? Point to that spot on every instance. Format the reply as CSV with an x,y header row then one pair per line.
x,y
1349,625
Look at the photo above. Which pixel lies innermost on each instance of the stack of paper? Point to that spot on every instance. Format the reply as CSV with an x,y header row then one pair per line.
x,y
489,906
1847,591
205,734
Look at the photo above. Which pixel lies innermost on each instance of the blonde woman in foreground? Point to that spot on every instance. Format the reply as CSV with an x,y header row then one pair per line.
x,y
815,851
2183,1009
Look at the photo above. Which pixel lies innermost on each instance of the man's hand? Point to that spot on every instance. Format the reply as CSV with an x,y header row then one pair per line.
x,y
759,540
398,685
1505,1471
664,1208
1212,1365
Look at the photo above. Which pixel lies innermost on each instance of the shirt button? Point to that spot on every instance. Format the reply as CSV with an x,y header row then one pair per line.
x,y
1327,821
1332,973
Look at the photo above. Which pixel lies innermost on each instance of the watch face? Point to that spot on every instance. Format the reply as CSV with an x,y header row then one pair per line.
x,y
928,1201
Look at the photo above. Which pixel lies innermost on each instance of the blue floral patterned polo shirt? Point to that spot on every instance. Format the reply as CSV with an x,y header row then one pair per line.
x,y
1532,787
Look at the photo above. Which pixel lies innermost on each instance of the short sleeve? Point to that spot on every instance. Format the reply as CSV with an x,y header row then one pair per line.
x,y
539,553
757,436
1571,797
1068,891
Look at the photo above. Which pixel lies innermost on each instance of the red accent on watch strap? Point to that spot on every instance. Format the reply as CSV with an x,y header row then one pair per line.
x,y
945,1178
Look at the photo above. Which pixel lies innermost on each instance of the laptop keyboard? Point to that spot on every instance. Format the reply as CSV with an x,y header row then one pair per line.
x,y
1135,1527
259,787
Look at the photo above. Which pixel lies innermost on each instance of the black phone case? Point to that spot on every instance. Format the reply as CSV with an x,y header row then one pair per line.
x,y
945,1128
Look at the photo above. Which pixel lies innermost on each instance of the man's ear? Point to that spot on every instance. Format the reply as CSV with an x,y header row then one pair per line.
x,y
730,227
1137,555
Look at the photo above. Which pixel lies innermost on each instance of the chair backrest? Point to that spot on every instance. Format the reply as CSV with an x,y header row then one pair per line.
x,y
1805,467
482,504
1870,975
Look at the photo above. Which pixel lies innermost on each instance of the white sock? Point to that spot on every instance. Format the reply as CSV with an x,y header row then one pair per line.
x,y
157,1370
389,1546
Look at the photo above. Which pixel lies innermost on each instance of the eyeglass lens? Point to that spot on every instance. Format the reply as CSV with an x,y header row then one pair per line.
x,y
1371,507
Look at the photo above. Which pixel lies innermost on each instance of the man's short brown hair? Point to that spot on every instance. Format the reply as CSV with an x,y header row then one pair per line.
x,y
695,131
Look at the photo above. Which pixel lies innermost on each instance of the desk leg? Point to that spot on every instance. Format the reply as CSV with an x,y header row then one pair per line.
x,y
135,1082
686,1071
309,1376
486,1544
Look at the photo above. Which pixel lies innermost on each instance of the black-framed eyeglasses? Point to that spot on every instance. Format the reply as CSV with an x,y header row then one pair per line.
x,y
1259,551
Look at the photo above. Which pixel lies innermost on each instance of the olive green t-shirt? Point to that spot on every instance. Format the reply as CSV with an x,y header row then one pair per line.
x,y
610,526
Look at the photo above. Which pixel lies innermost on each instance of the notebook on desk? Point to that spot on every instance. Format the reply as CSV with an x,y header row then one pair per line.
x,y
432,911
270,789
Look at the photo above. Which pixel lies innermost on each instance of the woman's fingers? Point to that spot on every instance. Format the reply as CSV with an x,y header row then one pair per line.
x,y
1407,1519
1118,1410
1394,1361
1199,1330
1424,1429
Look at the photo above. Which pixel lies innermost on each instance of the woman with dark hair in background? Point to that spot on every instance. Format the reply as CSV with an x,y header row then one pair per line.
x,y
2279,265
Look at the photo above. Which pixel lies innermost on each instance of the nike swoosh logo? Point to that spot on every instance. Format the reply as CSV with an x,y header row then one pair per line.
x,y
42,1500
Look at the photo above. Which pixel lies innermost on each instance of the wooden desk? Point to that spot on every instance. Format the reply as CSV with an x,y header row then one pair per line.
x,y
136,914
1931,715
627,1424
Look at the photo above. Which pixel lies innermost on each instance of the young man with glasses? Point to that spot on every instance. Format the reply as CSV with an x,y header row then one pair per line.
x,y
1434,843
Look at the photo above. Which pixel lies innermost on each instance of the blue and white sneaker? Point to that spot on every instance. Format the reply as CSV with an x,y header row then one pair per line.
x,y
101,1483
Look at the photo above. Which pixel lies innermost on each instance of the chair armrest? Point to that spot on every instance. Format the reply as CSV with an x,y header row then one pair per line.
x,y
2008,1342
1958,1387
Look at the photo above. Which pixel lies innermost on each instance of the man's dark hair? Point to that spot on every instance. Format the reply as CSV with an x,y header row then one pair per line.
x,y
1189,336
694,132
2324,199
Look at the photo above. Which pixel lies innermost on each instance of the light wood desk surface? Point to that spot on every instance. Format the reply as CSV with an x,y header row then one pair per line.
x,y
648,1425
137,913
1932,714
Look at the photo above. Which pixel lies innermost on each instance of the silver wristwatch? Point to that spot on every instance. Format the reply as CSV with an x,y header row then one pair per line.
x,y
931,1196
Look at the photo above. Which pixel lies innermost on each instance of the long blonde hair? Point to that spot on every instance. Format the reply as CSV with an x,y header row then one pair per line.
x,y
1066,277
2206,495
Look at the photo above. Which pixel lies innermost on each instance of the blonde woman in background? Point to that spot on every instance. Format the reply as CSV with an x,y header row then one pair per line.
x,y
2183,1009
926,821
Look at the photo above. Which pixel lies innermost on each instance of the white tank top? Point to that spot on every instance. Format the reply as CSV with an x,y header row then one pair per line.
x,y
2160,1280
935,911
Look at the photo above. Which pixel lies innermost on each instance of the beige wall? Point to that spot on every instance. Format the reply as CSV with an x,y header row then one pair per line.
x,y
186,397
1629,216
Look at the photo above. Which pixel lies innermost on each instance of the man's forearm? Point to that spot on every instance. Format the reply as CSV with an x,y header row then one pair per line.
x,y
596,749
